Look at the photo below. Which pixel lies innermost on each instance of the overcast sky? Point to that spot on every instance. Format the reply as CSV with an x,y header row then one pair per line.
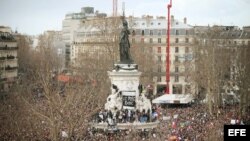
x,y
35,16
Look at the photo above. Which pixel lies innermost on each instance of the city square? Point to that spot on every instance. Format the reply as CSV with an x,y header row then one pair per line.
x,y
108,74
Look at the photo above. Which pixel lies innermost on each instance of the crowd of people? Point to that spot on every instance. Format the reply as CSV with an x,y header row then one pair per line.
x,y
126,116
195,123
182,123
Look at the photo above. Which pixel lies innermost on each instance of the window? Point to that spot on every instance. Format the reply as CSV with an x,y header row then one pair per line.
x,y
151,32
152,23
187,32
159,50
142,40
186,40
158,78
177,89
186,78
143,24
159,69
235,42
186,49
159,59
176,23
150,40
159,40
176,59
150,49
142,32
249,42
187,58
176,78
176,40
176,49
187,89
176,69
159,32
177,32
243,42
159,23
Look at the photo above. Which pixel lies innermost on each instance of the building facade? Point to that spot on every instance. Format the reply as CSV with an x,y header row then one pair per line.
x,y
71,24
8,59
152,33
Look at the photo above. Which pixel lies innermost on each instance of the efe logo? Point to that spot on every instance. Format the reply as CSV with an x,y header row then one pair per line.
x,y
236,132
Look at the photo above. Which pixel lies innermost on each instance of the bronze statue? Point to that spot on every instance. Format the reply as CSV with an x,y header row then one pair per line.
x,y
125,56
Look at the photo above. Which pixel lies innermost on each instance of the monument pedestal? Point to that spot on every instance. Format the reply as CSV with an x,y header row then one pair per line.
x,y
125,89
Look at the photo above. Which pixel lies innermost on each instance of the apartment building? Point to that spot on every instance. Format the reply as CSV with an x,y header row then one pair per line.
x,y
71,24
96,37
152,32
8,58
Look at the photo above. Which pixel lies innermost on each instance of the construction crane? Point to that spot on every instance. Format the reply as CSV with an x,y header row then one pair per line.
x,y
114,8
167,91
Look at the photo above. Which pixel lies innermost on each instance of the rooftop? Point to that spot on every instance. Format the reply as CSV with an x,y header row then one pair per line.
x,y
5,36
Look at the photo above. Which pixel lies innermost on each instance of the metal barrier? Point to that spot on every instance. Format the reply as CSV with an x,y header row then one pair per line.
x,y
125,126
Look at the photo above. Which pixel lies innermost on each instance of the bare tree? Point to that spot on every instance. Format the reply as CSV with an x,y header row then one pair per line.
x,y
212,61
37,107
241,77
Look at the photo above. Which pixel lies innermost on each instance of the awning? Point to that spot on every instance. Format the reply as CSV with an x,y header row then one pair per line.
x,y
174,99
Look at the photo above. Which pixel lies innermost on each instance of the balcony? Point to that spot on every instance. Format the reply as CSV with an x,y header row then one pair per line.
x,y
10,57
8,48
2,58
3,48
177,73
180,44
10,68
12,48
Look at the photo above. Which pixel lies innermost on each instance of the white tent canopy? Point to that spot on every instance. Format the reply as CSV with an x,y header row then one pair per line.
x,y
174,98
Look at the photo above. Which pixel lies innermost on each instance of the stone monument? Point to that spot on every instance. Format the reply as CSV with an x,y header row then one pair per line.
x,y
126,92
125,80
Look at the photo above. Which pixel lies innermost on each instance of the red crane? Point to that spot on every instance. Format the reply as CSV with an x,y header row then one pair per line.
x,y
167,91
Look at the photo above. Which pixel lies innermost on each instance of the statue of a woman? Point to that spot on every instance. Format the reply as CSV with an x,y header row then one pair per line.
x,y
125,56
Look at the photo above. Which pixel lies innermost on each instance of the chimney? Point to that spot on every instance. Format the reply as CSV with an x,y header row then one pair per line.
x,y
185,20
172,19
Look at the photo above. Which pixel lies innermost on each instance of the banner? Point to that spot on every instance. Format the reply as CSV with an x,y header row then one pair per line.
x,y
128,101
